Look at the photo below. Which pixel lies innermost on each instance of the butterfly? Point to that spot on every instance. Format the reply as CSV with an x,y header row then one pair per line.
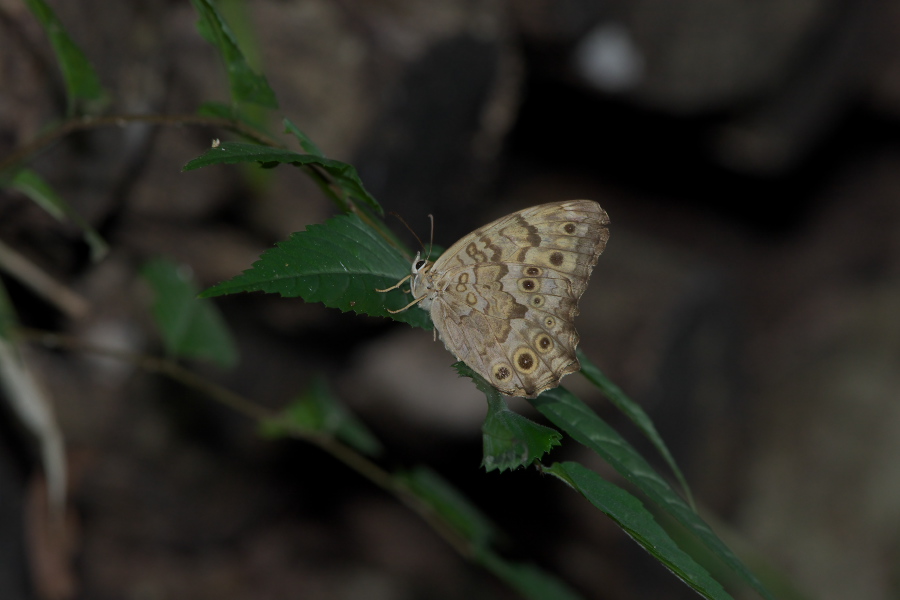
x,y
503,298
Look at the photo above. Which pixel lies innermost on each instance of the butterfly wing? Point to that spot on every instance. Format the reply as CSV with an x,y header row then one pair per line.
x,y
506,295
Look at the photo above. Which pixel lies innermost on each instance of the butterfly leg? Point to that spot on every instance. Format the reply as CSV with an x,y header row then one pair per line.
x,y
395,286
413,303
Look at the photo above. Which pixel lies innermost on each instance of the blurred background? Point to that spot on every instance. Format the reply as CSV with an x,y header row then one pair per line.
x,y
749,298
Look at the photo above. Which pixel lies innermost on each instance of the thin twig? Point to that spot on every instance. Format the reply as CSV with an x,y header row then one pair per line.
x,y
41,283
69,126
342,452
40,143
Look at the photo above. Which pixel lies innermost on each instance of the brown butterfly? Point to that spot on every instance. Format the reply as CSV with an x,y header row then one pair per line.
x,y
504,297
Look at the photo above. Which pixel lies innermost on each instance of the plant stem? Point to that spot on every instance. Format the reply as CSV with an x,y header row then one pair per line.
x,y
342,452
69,126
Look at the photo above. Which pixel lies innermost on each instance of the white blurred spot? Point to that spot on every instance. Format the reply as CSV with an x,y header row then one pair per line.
x,y
608,59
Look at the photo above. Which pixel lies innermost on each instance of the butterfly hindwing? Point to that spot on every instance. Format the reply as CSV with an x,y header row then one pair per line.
x,y
505,296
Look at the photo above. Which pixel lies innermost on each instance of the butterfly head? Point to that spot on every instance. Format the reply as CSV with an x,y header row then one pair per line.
x,y
420,268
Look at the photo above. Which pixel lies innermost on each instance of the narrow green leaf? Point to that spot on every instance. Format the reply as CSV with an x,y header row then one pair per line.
x,y
636,521
509,440
340,263
317,410
447,502
343,174
190,327
450,504
305,142
246,84
82,83
527,579
636,414
574,417
39,191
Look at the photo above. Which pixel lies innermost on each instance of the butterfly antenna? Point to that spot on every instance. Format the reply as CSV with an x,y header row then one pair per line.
x,y
431,239
410,229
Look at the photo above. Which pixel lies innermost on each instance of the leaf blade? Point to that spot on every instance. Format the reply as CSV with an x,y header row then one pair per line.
x,y
571,415
509,440
39,191
306,143
628,512
527,579
190,327
82,82
246,84
317,410
343,174
340,263
450,504
635,414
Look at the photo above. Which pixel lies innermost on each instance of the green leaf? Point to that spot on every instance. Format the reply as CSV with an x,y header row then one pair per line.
x,y
450,505
530,581
190,327
343,174
636,414
82,83
574,417
461,515
317,410
509,440
335,190
307,144
636,521
246,85
39,191
340,263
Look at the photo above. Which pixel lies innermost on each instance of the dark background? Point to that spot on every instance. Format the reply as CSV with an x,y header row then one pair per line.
x,y
748,157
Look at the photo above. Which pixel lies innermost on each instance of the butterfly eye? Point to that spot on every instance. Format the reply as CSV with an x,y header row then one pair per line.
x,y
419,264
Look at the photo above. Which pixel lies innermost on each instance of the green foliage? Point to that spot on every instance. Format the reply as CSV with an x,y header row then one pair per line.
x,y
307,144
510,440
628,512
445,500
39,191
635,413
342,262
477,530
191,328
529,580
318,411
339,263
344,175
246,84
575,418
82,83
